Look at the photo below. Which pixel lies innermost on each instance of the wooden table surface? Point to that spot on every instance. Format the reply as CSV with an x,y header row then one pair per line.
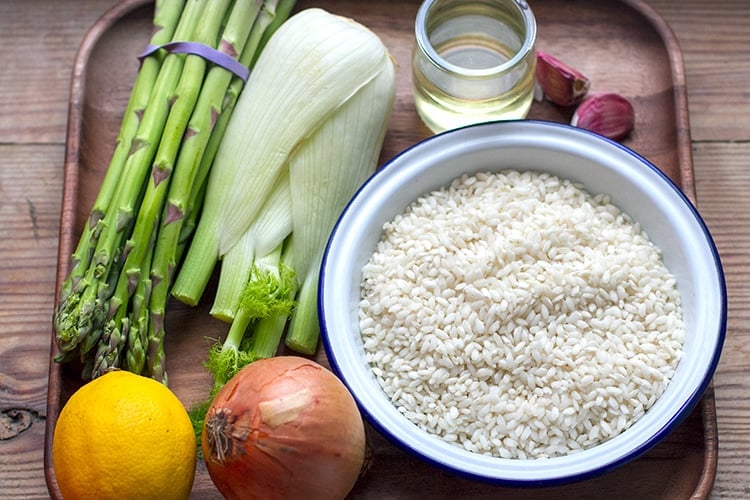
x,y
38,41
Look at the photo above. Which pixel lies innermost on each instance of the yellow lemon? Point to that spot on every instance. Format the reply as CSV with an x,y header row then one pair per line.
x,y
124,436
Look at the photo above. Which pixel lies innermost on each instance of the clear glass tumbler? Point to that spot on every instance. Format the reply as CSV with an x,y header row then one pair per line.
x,y
474,61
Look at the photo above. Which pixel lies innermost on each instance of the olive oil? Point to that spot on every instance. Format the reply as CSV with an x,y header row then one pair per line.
x,y
473,62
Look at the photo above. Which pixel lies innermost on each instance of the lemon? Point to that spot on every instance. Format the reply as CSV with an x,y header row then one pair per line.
x,y
124,436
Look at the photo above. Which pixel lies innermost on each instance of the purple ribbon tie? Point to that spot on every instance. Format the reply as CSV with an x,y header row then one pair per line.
x,y
199,49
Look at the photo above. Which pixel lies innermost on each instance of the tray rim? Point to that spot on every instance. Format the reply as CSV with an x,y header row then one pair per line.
x,y
71,187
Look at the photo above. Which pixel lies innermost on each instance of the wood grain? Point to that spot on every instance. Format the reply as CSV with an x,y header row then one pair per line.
x,y
38,41
722,187
96,106
714,37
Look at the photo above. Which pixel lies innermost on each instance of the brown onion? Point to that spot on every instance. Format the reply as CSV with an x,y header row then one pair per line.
x,y
284,427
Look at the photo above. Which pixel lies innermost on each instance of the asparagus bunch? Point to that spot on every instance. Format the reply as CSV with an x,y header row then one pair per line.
x,y
112,305
71,323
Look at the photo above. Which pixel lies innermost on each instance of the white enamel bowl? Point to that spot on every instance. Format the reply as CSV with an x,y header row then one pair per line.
x,y
637,187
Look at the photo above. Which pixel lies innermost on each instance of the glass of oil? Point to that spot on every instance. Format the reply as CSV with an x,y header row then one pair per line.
x,y
473,61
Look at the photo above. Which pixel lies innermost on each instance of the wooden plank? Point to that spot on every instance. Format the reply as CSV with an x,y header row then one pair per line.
x,y
31,182
37,47
714,40
723,182
29,222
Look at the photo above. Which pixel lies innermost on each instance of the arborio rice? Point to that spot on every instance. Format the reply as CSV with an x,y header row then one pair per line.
x,y
518,316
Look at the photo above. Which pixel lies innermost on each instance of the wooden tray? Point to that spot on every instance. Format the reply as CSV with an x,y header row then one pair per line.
x,y
621,45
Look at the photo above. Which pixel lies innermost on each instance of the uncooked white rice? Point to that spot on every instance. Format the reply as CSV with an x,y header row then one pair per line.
x,y
518,316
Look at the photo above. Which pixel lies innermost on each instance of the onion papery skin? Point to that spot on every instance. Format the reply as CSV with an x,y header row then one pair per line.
x,y
284,427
